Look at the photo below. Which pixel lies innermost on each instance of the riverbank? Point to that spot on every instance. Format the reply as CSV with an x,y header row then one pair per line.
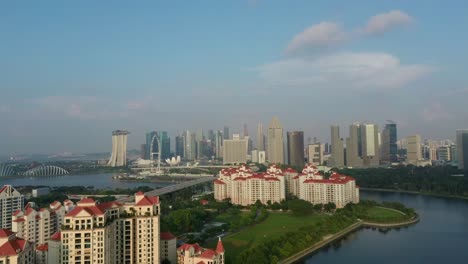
x,y
414,192
354,227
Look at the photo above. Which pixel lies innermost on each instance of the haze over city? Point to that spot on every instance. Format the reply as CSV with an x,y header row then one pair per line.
x,y
72,72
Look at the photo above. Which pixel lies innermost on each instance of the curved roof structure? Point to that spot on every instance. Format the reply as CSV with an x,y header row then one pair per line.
x,y
45,171
6,170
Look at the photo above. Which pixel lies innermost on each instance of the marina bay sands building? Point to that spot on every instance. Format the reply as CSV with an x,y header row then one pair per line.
x,y
119,148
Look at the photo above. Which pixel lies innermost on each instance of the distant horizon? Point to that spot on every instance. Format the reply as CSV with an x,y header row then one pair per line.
x,y
71,72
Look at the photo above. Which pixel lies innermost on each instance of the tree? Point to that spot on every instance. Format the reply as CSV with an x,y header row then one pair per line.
x,y
301,207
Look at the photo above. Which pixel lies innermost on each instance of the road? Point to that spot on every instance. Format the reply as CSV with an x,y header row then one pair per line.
x,y
172,188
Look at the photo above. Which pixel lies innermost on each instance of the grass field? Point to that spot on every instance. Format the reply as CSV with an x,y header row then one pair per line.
x,y
384,215
274,226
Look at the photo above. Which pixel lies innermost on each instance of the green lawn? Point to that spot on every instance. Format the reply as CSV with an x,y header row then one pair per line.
x,y
384,215
274,226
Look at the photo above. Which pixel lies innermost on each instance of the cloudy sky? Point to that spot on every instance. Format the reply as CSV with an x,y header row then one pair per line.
x,y
73,71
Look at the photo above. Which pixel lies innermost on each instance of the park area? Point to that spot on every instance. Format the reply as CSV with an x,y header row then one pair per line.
x,y
275,225
379,214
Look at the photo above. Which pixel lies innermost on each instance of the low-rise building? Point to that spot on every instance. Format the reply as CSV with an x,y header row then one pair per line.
x,y
195,254
168,247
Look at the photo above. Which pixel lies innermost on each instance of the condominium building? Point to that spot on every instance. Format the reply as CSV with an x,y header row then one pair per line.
x,y
14,250
443,153
195,254
168,247
38,226
235,150
112,232
244,187
119,149
10,201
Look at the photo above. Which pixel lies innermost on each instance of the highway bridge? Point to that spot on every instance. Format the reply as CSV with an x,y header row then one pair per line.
x,y
172,188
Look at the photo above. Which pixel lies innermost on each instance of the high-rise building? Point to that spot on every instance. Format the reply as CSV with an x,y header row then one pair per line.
x,y
260,138
389,143
188,147
462,149
226,133
112,232
443,153
10,201
180,145
165,145
14,250
275,142
354,146
143,151
337,149
235,150
151,144
370,145
315,153
119,148
219,144
295,141
153,139
413,149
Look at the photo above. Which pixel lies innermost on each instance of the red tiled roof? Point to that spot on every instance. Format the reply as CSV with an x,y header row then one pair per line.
x,y
166,236
86,200
195,247
5,233
290,170
240,179
208,254
219,182
201,262
204,202
19,220
56,236
220,247
55,203
17,212
3,188
12,247
28,211
104,206
42,210
43,247
92,210
148,200
38,217
139,193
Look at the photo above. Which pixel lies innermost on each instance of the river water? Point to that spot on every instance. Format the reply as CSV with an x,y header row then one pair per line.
x,y
99,181
440,237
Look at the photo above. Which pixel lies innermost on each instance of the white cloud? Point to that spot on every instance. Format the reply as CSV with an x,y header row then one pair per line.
x,y
319,35
435,112
386,21
326,34
342,71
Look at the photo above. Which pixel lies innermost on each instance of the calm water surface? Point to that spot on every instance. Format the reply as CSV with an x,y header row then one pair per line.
x,y
440,237
99,181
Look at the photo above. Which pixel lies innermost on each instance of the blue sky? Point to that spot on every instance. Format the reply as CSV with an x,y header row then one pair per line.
x,y
71,72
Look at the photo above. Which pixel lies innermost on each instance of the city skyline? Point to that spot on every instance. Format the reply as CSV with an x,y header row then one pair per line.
x,y
80,70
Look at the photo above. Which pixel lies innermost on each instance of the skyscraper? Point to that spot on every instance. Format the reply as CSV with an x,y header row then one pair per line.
x,y
389,145
260,138
413,149
235,150
337,148
179,148
226,133
370,145
165,145
295,141
143,151
151,145
275,142
219,144
188,148
353,145
462,149
119,148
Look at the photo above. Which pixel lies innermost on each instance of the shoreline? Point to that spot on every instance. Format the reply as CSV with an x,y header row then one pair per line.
x,y
414,192
343,233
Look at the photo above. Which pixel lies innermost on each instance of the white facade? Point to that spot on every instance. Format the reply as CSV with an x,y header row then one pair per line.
x,y
119,149
413,150
195,254
315,153
10,201
244,187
